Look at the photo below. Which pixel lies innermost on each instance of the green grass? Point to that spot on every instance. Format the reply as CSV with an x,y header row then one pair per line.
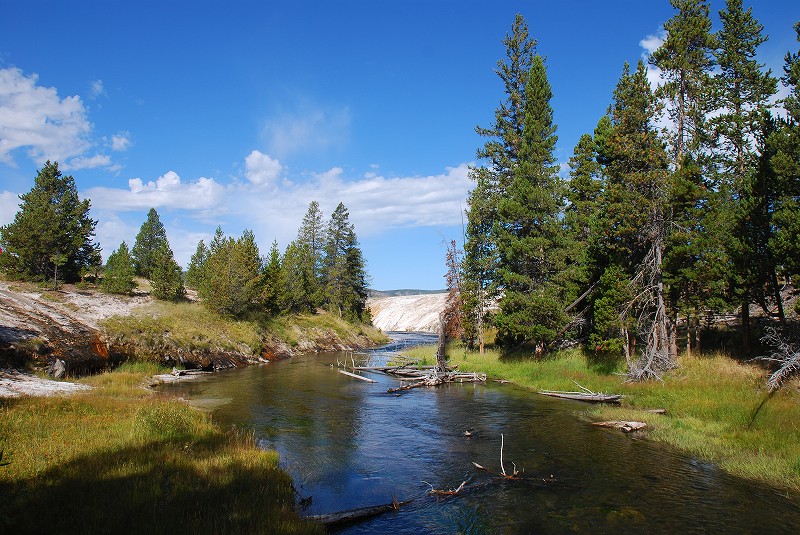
x,y
121,459
710,402
187,326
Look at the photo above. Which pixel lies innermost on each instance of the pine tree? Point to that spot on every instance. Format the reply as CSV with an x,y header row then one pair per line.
x,y
635,218
529,232
311,242
232,275
785,162
343,274
52,223
500,151
743,90
150,239
166,276
685,61
272,283
195,273
119,272
583,191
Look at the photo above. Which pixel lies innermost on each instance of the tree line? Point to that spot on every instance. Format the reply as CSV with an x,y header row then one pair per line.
x,y
655,226
51,239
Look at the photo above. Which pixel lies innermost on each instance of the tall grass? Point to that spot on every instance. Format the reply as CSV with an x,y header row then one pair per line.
x,y
711,404
120,459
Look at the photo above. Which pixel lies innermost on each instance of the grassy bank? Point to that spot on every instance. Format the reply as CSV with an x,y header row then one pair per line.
x,y
710,401
122,459
163,327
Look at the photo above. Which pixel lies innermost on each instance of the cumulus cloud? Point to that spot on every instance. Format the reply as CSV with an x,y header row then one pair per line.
x,y
35,117
167,191
260,169
309,127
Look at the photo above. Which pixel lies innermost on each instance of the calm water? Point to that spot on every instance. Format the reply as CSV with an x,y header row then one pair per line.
x,y
348,444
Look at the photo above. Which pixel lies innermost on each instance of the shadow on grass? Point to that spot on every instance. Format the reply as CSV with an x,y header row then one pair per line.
x,y
158,487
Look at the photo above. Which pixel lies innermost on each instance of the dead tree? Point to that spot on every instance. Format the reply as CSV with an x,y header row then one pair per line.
x,y
785,354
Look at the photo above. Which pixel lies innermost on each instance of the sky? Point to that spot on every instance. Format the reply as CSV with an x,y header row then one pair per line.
x,y
240,113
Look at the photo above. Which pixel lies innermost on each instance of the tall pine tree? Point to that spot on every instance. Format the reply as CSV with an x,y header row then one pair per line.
x,y
501,154
529,232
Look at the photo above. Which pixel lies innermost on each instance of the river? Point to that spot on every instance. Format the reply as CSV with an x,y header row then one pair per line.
x,y
348,444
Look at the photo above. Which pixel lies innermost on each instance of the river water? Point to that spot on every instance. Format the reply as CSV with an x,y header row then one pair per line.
x,y
348,444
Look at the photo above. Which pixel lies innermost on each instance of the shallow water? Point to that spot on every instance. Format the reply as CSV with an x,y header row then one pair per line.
x,y
348,444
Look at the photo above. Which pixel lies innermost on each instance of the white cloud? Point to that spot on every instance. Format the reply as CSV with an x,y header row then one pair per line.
x,y
121,141
96,89
261,169
651,43
167,191
309,127
87,162
376,203
35,117
9,205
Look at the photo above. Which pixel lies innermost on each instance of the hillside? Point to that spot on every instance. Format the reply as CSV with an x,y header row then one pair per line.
x,y
407,312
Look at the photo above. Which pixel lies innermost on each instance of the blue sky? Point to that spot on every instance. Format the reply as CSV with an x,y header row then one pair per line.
x,y
240,114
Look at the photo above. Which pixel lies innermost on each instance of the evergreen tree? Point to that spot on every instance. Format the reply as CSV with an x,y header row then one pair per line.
x,y
271,295
232,275
195,273
500,151
311,242
528,230
635,218
151,238
119,272
343,274
296,280
166,276
743,91
685,61
583,192
785,162
52,224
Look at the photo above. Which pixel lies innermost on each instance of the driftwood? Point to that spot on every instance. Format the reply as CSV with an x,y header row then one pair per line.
x,y
354,515
625,427
356,376
594,397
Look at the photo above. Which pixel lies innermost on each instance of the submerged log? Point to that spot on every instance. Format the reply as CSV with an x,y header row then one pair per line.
x,y
354,515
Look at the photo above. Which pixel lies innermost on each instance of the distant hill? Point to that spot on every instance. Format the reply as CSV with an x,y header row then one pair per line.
x,y
395,293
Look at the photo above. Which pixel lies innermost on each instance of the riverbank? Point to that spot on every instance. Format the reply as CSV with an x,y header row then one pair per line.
x,y
711,402
125,458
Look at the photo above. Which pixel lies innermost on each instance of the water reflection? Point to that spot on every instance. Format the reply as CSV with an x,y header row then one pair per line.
x,y
349,444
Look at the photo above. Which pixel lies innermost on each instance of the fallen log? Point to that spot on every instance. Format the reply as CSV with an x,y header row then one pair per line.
x,y
583,396
356,376
626,427
354,515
